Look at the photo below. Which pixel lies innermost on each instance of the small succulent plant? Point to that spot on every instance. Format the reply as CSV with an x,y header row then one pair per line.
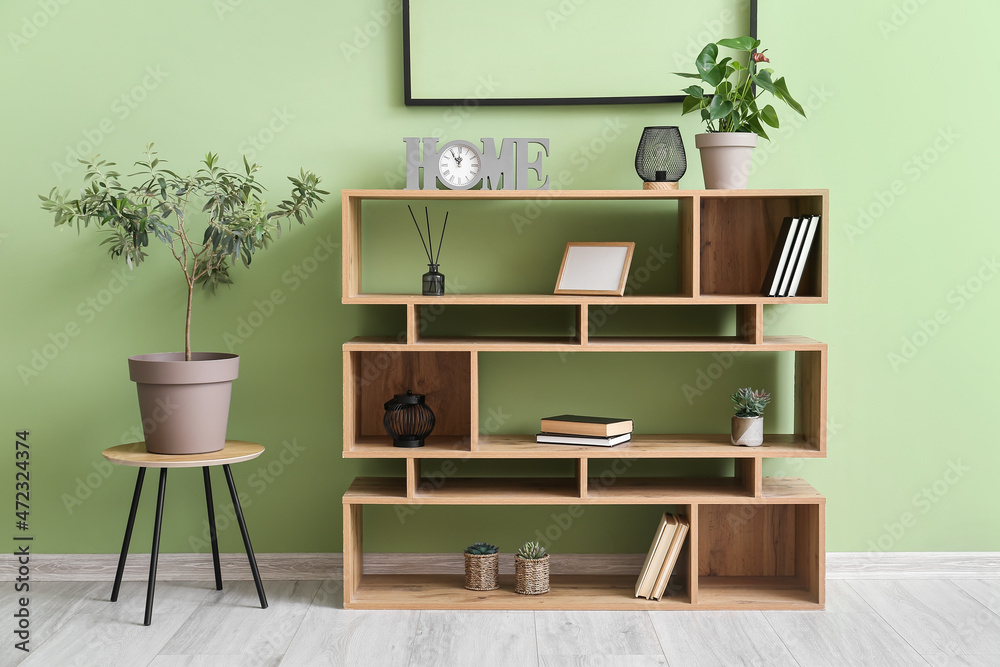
x,y
481,549
531,551
750,402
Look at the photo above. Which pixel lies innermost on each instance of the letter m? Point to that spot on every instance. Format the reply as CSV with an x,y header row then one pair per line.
x,y
498,168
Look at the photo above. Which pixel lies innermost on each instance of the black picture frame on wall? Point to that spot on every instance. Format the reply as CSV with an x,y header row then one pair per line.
x,y
411,101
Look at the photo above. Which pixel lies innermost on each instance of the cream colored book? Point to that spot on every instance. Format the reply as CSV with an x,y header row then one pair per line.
x,y
657,552
673,552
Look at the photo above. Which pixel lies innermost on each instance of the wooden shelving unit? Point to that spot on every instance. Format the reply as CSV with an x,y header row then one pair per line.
x,y
755,542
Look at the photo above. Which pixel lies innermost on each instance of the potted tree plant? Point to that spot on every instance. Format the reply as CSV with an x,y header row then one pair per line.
x,y
531,570
748,422
731,114
184,397
482,567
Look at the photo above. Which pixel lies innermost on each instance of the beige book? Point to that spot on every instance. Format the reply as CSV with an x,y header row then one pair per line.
x,y
673,552
657,552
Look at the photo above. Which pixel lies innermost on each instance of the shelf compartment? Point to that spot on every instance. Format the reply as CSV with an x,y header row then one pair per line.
x,y
373,376
447,591
737,238
749,554
566,490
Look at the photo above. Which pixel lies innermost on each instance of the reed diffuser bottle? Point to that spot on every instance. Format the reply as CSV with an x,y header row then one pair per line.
x,y
432,283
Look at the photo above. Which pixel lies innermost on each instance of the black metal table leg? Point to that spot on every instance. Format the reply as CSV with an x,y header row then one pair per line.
x,y
155,551
246,536
128,534
211,529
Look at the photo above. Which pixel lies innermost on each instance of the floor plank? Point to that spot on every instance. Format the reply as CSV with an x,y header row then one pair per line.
x,y
943,660
231,622
214,661
329,635
934,616
445,638
987,591
604,661
713,638
100,639
567,637
849,632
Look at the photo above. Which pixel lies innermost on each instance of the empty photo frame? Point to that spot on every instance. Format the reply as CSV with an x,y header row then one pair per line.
x,y
595,268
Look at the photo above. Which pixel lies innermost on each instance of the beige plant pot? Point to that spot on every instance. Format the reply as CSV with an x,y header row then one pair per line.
x,y
748,431
184,404
726,158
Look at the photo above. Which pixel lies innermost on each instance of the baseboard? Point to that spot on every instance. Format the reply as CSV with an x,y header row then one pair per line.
x,y
914,565
275,567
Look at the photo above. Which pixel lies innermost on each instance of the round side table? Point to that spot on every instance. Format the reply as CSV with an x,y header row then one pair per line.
x,y
135,454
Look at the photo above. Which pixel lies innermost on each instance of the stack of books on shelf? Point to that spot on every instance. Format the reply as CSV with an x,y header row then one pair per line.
x,y
662,556
580,430
788,261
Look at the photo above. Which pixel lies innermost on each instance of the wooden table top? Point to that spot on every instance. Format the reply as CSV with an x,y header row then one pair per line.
x,y
135,454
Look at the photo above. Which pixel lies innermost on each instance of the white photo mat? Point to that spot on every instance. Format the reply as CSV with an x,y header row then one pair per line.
x,y
595,268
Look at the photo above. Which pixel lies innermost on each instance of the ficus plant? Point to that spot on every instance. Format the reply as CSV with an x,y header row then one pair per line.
x,y
237,222
732,107
749,402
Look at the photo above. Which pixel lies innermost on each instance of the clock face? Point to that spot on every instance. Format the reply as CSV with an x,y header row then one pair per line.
x,y
459,164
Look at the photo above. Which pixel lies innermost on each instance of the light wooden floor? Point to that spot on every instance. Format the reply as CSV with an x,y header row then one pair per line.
x,y
867,622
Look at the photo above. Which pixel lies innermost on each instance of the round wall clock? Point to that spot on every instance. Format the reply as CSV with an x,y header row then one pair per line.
x,y
459,165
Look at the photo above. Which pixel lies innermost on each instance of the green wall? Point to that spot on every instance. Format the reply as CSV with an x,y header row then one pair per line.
x,y
895,97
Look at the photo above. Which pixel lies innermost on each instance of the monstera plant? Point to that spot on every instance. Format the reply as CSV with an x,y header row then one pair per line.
x,y
184,397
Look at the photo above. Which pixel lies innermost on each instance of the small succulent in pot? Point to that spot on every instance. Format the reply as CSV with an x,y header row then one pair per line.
x,y
531,570
748,422
481,549
482,567
531,551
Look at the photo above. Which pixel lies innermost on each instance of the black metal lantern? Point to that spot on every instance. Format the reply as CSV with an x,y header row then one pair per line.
x,y
660,160
408,419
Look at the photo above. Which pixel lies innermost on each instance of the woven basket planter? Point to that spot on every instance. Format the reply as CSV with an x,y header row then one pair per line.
x,y
531,576
482,573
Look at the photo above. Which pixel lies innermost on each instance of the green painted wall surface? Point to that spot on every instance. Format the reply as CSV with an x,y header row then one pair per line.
x,y
896,103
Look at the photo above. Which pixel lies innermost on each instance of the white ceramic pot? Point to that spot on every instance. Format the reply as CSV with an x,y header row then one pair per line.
x,y
726,158
748,431
184,404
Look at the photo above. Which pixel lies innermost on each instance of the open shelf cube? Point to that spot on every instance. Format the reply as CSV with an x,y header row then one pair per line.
x,y
738,235
754,555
